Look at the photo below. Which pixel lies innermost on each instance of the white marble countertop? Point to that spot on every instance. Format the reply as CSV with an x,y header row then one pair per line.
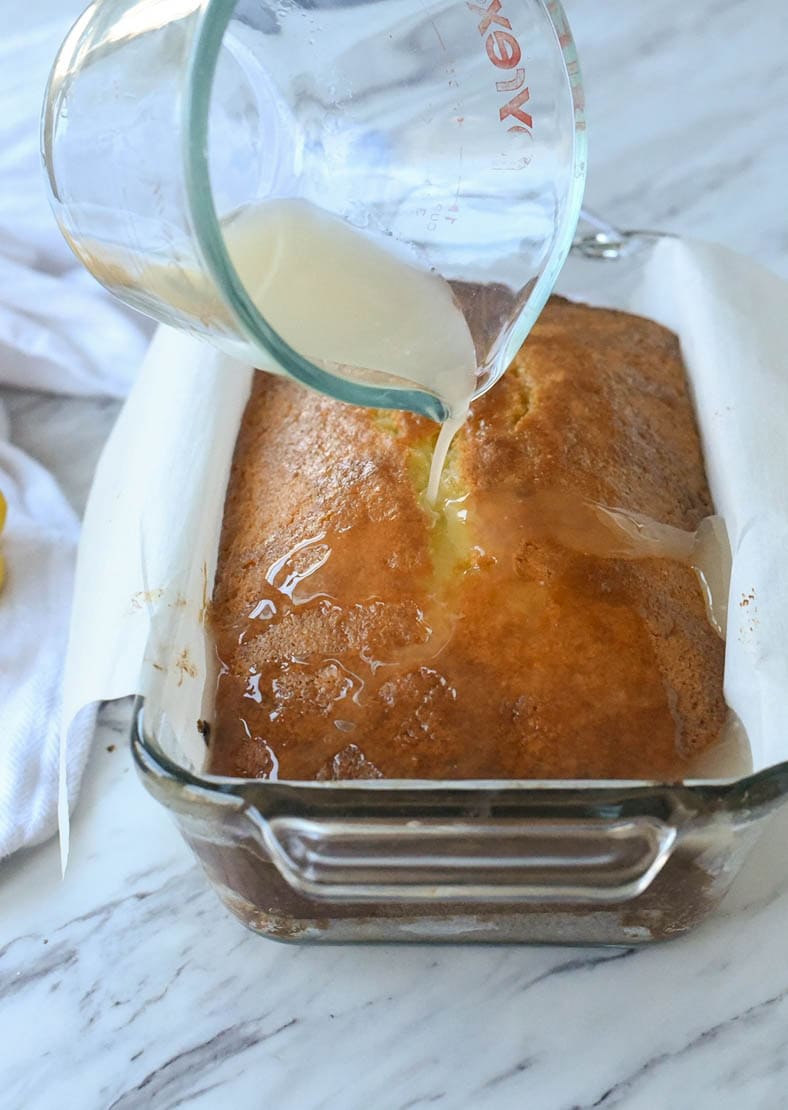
x,y
128,985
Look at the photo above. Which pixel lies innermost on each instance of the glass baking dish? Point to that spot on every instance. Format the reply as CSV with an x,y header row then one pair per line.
x,y
537,862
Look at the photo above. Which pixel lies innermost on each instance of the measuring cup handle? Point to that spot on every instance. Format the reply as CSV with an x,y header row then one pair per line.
x,y
596,237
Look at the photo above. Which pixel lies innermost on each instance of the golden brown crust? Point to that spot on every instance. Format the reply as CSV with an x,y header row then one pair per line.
x,y
389,644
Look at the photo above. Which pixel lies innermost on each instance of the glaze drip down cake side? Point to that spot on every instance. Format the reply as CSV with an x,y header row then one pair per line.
x,y
543,621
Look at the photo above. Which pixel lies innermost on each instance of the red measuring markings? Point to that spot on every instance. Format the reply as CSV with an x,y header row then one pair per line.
x,y
504,52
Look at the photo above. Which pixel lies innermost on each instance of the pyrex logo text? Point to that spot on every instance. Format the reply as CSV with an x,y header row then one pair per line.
x,y
504,52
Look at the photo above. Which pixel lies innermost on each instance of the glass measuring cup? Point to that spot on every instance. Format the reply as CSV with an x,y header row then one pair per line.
x,y
448,135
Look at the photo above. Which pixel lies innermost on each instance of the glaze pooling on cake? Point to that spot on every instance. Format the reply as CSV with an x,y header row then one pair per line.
x,y
363,634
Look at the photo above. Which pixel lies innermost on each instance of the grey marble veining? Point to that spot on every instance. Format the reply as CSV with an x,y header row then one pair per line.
x,y
684,105
128,985
134,988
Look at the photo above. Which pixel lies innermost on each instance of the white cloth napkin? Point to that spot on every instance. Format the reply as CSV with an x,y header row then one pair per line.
x,y
39,546
61,333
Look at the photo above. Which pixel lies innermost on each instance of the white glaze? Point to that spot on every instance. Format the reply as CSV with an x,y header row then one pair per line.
x,y
148,994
